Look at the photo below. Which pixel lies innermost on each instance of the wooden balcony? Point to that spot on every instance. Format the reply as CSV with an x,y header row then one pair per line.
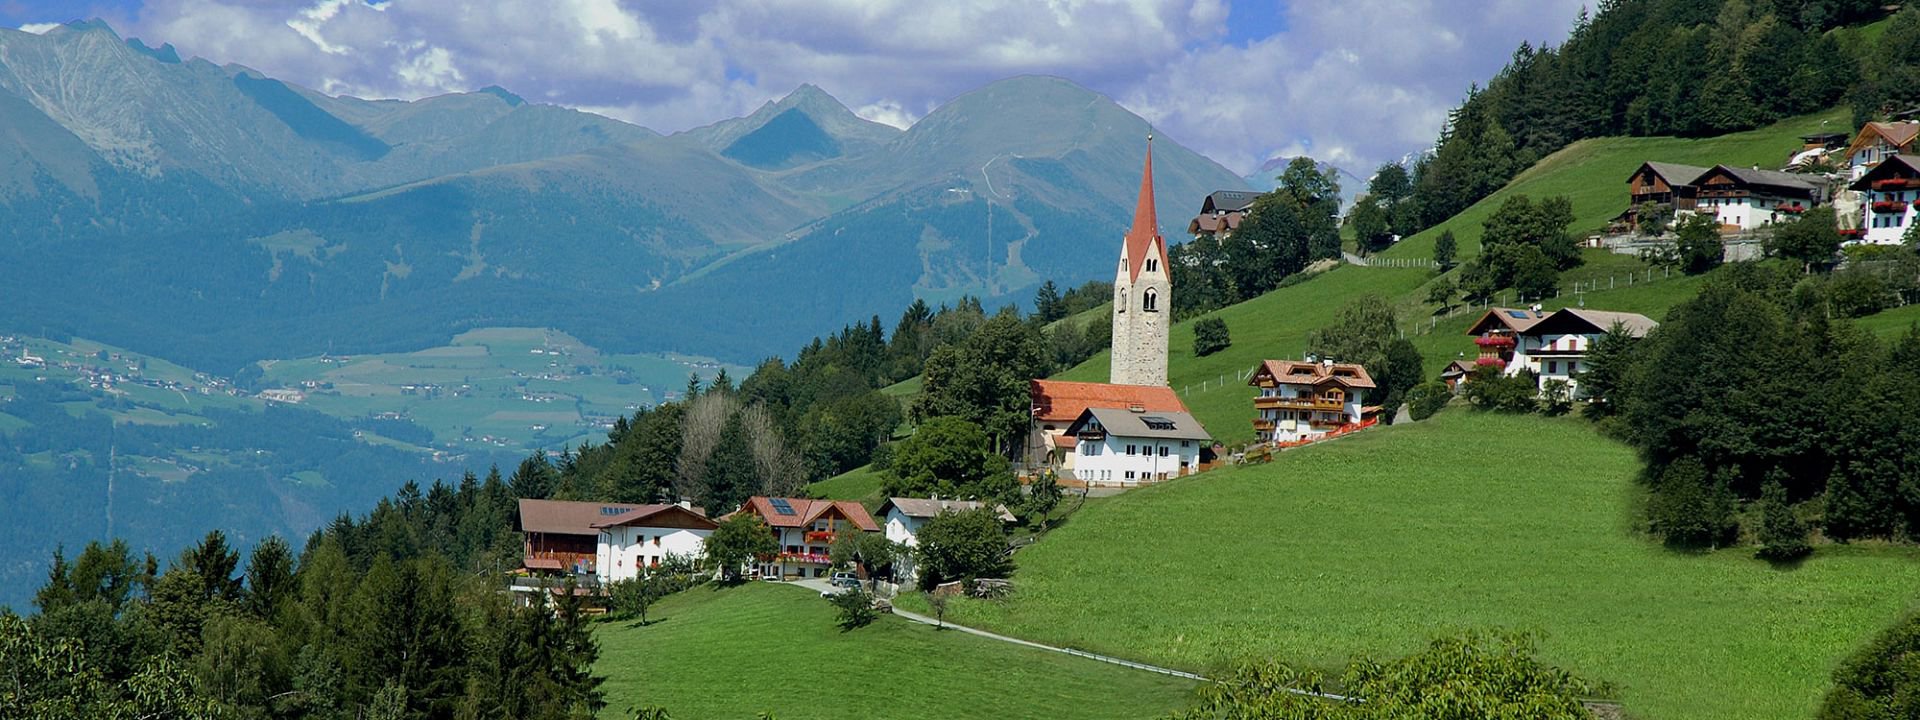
x,y
1282,403
1262,425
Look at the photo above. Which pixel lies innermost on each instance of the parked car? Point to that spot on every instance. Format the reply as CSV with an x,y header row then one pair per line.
x,y
845,580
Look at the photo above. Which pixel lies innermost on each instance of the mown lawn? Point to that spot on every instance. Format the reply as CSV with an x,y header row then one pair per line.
x,y
732,653
1593,174
1371,544
1893,323
1272,326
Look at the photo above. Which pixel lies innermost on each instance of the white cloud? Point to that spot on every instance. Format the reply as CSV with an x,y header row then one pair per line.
x,y
1352,81
887,112
38,28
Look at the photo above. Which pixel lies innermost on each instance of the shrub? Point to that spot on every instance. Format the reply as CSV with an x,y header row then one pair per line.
x,y
1556,398
856,608
1691,508
1491,389
1426,399
1783,538
1210,336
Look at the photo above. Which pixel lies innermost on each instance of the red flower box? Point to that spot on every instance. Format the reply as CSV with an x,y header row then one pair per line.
x,y
1490,362
1891,183
1855,232
1889,206
1790,209
1494,341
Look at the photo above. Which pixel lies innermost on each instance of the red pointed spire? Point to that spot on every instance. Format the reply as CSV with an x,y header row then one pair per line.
x,y
1146,223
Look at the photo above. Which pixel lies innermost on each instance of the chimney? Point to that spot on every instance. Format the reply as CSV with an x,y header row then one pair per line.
x,y
685,505
1136,408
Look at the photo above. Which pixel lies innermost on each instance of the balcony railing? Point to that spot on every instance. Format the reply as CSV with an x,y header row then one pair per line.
x,y
820,536
814,558
1262,425
1295,403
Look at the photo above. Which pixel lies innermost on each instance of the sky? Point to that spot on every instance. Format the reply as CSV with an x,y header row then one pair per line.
x,y
1353,82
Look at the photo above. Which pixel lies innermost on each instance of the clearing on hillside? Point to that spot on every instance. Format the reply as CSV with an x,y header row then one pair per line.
x,y
1372,544
734,652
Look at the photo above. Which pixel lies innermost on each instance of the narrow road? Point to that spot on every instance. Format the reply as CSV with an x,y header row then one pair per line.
x,y
818,585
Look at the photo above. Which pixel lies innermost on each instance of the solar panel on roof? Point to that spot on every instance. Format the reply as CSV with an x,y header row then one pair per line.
x,y
1157,423
780,505
604,510
1519,314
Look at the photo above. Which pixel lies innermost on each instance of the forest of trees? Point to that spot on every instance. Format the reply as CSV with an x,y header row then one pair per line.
x,y
1664,67
1762,412
398,614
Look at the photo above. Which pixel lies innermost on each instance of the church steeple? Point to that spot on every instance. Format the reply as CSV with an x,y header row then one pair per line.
x,y
1143,238
1142,294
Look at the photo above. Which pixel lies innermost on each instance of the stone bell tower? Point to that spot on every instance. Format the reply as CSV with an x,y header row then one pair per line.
x,y
1142,295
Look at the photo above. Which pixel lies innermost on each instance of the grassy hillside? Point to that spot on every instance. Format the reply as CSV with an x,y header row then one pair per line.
x,y
1892,323
1274,325
861,483
1371,544
1593,174
768,647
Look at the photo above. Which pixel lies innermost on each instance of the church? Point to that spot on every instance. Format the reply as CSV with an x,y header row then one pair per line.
x,y
1134,428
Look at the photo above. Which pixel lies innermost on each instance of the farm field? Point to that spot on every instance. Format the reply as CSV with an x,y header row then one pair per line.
x,y
518,388
1371,544
734,652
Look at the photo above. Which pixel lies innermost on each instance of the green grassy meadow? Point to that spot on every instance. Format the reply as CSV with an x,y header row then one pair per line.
x,y
861,484
734,652
1593,174
1371,544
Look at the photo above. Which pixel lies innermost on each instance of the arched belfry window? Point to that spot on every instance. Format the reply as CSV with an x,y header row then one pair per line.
x,y
1153,264
1151,302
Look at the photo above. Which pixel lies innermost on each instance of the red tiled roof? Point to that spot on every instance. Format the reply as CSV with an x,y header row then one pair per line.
x,y
1063,401
1145,233
805,511
639,515
1301,372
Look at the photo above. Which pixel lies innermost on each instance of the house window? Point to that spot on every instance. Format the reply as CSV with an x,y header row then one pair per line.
x,y
1151,302
1129,449
1119,300
1163,451
1553,367
1186,443
1129,474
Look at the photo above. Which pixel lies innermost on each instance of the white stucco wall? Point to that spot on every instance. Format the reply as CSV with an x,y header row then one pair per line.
x,y
1888,228
1111,463
624,550
1140,335
1748,213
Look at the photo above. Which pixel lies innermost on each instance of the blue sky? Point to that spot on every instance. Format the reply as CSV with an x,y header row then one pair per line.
x,y
1355,82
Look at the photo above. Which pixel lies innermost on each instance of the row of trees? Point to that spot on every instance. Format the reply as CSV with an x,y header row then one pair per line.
x,y
399,614
1634,68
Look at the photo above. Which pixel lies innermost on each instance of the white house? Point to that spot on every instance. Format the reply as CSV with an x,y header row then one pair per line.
x,y
1301,400
902,519
1747,198
1878,141
1891,190
1556,347
646,536
608,541
1122,447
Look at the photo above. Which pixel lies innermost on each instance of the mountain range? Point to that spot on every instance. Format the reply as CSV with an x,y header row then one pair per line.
x,y
216,216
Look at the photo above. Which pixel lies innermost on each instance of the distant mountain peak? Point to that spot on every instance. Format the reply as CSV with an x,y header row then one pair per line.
x,y
504,94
